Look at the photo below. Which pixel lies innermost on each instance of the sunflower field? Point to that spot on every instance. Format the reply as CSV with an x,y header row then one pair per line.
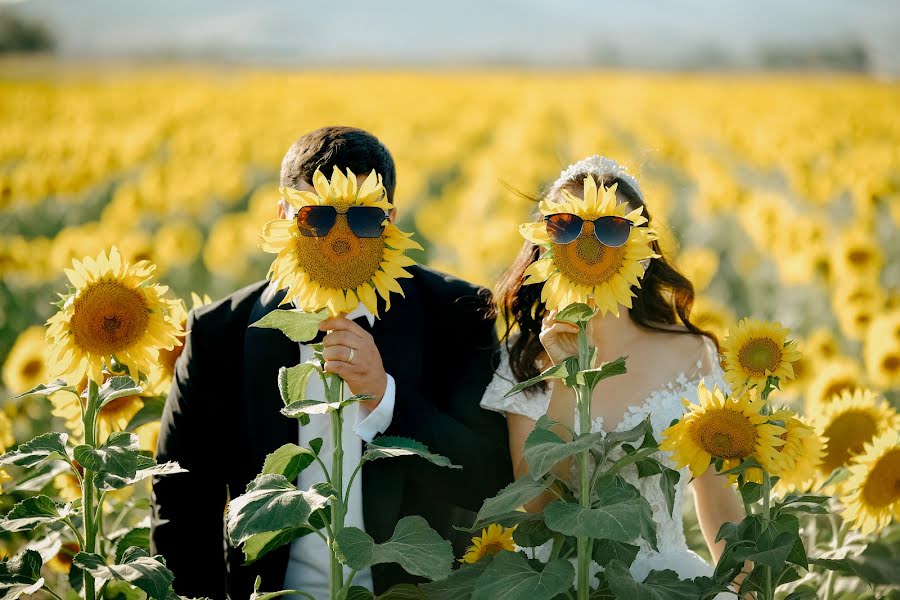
x,y
778,195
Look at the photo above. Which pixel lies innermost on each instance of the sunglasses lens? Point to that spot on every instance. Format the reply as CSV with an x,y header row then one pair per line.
x,y
612,231
366,221
316,221
563,228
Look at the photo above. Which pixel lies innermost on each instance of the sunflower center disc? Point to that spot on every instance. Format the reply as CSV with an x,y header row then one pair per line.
x,y
492,548
109,317
587,261
32,368
759,355
725,434
340,260
882,487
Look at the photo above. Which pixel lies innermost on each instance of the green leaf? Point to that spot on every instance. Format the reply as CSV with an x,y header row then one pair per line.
x,y
271,503
146,467
658,585
510,498
751,492
629,436
150,412
298,326
543,448
34,511
290,460
560,371
511,577
137,568
117,456
292,381
116,387
20,575
576,313
668,479
47,446
844,566
604,551
309,407
257,546
414,546
631,457
45,390
138,537
591,377
460,583
391,446
532,533
620,514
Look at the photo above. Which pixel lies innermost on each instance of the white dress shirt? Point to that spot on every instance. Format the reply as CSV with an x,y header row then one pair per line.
x,y
308,568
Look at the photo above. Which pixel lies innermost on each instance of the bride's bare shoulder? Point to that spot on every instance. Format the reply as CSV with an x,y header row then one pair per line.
x,y
685,348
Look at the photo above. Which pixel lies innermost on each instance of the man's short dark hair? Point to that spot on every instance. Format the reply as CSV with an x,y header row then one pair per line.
x,y
345,147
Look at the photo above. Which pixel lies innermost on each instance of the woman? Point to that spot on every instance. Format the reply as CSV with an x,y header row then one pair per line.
x,y
667,356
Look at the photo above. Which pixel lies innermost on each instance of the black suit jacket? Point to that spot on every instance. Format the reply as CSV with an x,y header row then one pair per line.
x,y
222,418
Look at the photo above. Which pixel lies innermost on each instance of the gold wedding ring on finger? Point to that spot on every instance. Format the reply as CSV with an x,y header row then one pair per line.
x,y
352,354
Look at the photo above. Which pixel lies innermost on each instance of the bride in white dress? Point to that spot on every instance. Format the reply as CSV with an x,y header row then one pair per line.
x,y
667,359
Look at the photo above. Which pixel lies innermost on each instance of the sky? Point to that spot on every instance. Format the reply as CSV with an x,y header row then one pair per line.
x,y
558,33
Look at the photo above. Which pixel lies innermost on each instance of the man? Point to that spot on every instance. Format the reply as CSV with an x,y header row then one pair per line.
x,y
426,361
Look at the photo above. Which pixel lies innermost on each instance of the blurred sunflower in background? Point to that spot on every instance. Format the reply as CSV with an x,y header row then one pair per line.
x,y
756,350
847,423
340,269
872,492
832,378
795,462
729,428
115,311
26,364
585,268
160,377
492,540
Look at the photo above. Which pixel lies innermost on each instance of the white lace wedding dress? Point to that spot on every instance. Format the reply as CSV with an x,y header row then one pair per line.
x,y
663,405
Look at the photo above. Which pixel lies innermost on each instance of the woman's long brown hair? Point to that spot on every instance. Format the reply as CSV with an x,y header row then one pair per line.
x,y
664,298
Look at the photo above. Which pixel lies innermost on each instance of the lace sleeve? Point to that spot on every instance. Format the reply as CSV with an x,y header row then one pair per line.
x,y
532,404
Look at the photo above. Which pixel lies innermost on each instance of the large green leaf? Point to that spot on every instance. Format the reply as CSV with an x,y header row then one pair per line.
x,y
119,386
658,585
511,577
543,448
560,371
414,546
271,503
146,467
47,446
508,499
619,514
257,546
460,583
139,537
298,326
392,446
137,568
290,460
604,551
591,377
34,511
292,381
46,389
576,313
118,456
302,408
20,575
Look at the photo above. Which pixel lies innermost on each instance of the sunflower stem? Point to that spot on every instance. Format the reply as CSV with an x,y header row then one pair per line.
x,y
89,419
768,588
335,393
583,396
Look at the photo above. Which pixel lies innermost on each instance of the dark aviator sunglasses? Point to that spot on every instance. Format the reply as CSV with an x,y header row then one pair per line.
x,y
610,230
364,221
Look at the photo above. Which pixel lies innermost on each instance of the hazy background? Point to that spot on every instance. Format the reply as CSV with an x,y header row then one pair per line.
x,y
859,36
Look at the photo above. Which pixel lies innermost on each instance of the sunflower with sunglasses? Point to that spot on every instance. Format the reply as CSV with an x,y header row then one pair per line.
x,y
593,248
340,248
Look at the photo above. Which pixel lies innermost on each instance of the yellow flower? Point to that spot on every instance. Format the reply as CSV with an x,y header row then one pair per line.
x,y
492,540
178,243
160,378
339,270
755,350
26,364
62,562
831,379
699,264
148,434
872,492
67,486
847,423
585,268
730,428
881,350
115,310
795,462
6,432
857,254
711,315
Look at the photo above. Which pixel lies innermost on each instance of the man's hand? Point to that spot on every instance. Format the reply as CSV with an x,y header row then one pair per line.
x,y
365,374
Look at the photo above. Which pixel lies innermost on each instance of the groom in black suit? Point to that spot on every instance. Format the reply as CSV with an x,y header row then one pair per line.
x,y
435,346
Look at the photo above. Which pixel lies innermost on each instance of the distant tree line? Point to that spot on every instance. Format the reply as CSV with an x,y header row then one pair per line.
x,y
18,35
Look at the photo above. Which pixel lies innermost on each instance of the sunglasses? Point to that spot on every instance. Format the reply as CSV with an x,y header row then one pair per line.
x,y
364,221
564,228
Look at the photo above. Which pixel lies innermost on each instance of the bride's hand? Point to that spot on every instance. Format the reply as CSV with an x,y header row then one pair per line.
x,y
559,338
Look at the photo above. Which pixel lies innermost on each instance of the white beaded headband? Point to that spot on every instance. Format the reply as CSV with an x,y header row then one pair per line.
x,y
598,166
